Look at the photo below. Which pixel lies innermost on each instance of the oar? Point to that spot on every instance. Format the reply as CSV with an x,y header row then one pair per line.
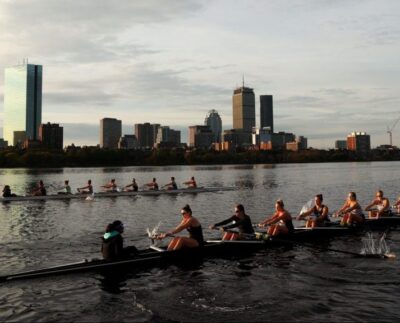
x,y
388,256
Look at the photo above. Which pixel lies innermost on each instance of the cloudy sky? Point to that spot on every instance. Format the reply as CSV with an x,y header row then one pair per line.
x,y
332,66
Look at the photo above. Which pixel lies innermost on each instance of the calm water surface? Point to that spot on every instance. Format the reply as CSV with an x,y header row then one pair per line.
x,y
281,284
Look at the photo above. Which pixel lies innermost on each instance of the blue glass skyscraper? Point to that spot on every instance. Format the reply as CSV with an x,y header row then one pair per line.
x,y
22,101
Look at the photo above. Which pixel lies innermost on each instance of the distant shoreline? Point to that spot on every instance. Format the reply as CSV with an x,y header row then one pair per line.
x,y
96,157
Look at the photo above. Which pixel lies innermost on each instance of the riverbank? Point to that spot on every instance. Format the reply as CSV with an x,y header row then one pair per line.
x,y
96,157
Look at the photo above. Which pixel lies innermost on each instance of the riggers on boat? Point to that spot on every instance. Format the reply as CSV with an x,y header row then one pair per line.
x,y
155,256
116,194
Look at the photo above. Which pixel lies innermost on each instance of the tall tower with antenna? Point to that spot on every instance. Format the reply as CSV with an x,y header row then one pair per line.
x,y
22,101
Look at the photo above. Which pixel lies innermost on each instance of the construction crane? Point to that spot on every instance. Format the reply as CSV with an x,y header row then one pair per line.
x,y
390,130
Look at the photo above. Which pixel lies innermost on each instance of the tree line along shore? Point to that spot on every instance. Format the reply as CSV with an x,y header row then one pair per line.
x,y
94,156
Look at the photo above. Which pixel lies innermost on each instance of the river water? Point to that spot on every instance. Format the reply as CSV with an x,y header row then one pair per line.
x,y
278,284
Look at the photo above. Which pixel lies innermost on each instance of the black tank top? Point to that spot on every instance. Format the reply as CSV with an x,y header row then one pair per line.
x,y
196,233
289,225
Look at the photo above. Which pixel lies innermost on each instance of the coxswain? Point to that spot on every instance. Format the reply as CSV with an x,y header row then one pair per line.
x,y
171,185
351,211
66,188
280,222
111,186
239,220
191,183
192,225
318,213
7,191
88,189
380,206
153,186
112,247
134,186
40,190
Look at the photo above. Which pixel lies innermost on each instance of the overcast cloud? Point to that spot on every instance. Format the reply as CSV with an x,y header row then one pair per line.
x,y
332,66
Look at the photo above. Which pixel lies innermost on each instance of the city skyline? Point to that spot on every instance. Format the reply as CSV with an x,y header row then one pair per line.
x,y
331,66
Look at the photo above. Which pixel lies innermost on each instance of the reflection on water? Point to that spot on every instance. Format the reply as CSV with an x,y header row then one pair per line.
x,y
37,234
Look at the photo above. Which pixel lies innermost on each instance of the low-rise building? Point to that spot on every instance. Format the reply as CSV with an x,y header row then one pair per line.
x,y
128,142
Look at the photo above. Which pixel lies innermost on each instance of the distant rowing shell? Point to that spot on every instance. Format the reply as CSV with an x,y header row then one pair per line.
x,y
115,194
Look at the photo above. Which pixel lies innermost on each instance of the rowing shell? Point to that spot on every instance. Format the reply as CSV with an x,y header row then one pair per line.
x,y
154,256
116,194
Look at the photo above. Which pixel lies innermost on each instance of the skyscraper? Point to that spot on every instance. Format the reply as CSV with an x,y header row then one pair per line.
x,y
266,112
22,101
244,110
213,120
110,132
146,134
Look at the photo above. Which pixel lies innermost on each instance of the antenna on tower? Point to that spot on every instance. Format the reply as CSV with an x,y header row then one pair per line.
x,y
243,80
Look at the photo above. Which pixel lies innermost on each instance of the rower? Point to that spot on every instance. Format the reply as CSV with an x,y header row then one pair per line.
x,y
351,211
40,190
153,186
112,247
191,183
239,220
397,205
111,186
280,222
171,185
319,213
380,206
88,189
66,189
134,186
7,191
192,225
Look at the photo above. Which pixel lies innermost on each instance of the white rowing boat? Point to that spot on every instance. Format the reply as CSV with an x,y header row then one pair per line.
x,y
115,194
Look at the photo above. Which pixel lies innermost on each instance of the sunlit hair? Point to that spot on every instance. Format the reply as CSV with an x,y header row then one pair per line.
x,y
353,195
380,192
280,203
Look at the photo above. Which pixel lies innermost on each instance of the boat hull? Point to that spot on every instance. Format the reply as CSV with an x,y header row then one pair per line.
x,y
115,194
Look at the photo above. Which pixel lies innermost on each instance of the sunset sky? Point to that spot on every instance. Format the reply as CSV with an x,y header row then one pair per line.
x,y
332,66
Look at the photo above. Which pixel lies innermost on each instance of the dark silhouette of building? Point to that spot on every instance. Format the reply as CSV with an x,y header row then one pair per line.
x,y
110,132
213,120
266,112
128,142
146,134
200,137
166,135
51,135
